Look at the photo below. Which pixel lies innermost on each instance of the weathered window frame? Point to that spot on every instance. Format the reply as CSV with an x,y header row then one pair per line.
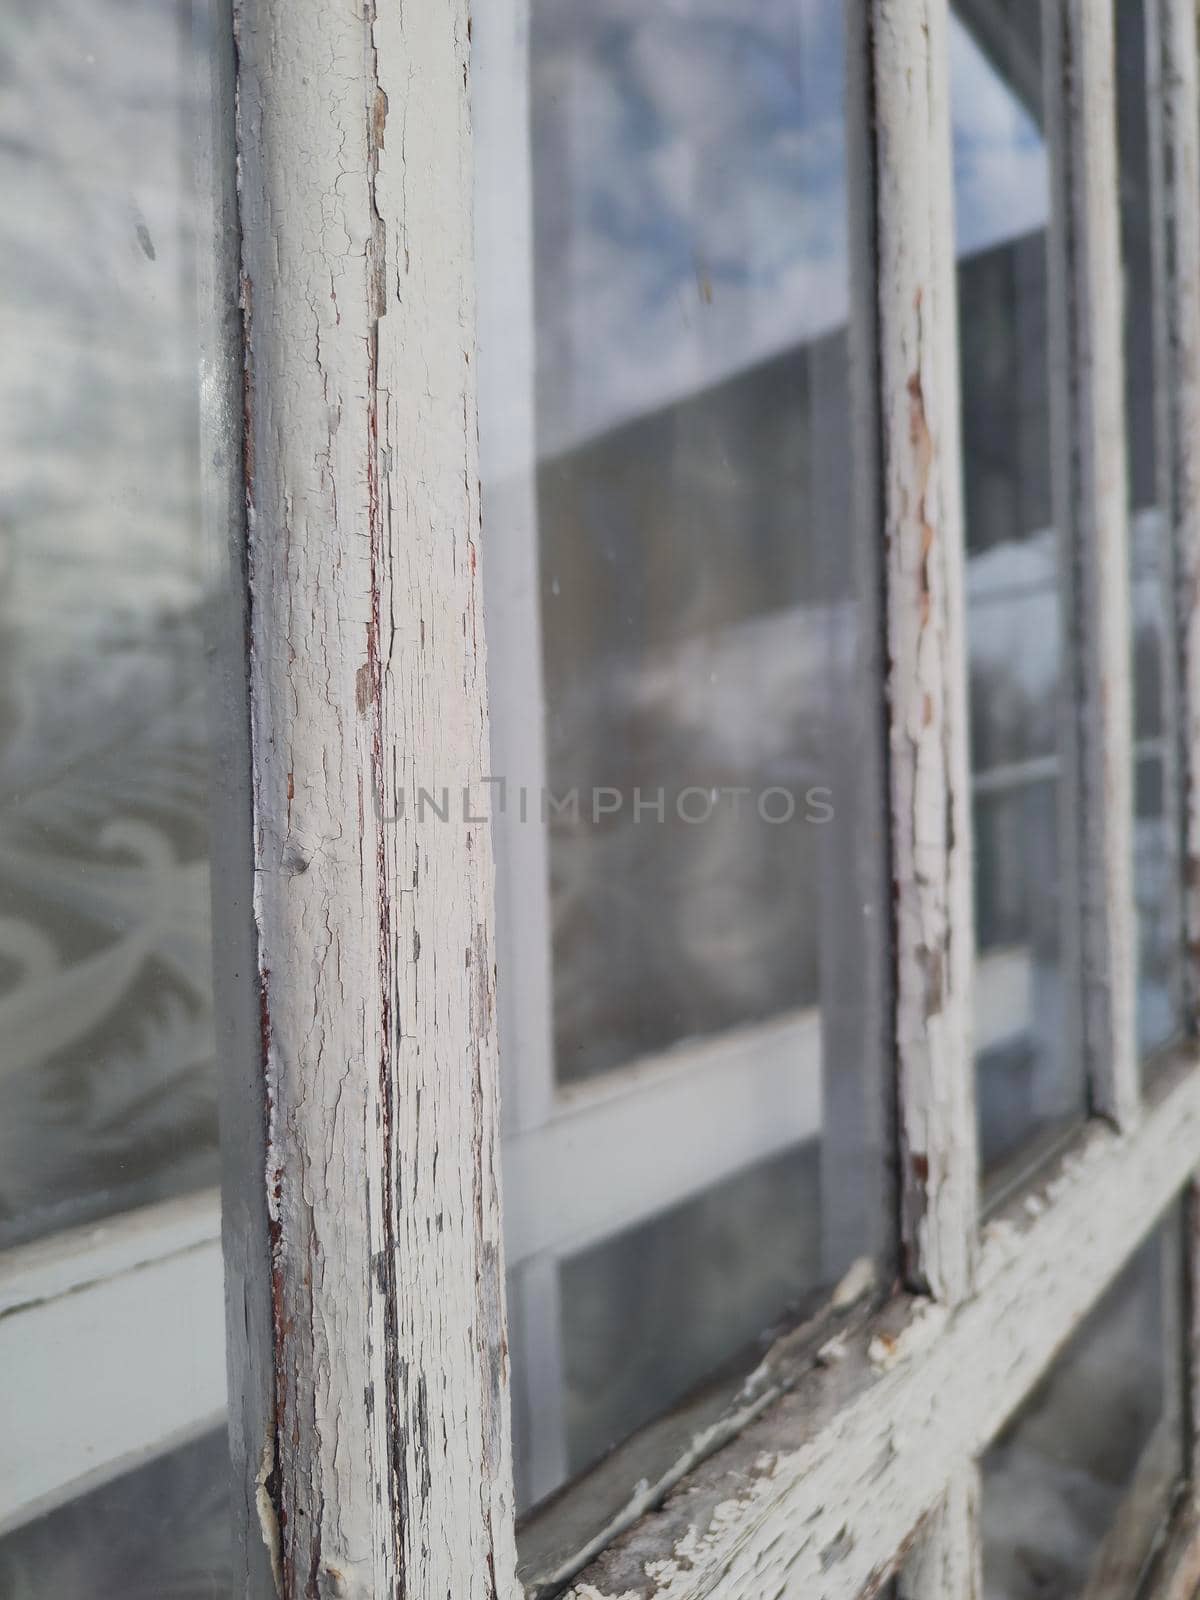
x,y
367,1349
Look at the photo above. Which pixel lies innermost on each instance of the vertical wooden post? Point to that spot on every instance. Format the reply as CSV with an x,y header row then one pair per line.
x,y
380,1376
1091,514
923,531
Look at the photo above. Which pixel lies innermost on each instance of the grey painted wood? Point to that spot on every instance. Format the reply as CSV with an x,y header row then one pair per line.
x,y
244,1223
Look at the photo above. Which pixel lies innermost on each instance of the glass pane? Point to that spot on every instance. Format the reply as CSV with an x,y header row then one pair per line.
x,y
676,592
108,1125
1026,1084
1159,942
660,1307
1078,1484
691,292
160,1533
107,1090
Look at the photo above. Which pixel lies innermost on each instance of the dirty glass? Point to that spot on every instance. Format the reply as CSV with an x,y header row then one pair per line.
x,y
1027,1086
107,1094
1155,863
108,1117
677,575
1078,1484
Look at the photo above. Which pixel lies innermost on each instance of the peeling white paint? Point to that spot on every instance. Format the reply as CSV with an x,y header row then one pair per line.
x,y
931,818
390,1471
1090,489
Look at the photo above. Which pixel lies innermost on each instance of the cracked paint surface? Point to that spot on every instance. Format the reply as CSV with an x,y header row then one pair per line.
x,y
387,1470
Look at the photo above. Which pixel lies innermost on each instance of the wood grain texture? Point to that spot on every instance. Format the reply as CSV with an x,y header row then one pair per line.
x,y
385,1466
815,1500
923,523
1090,496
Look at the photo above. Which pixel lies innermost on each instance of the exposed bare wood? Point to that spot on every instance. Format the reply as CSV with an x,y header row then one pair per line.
x,y
946,1558
1091,511
385,1467
815,1498
931,821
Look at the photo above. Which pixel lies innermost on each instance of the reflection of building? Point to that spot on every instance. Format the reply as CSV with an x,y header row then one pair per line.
x,y
698,622
697,616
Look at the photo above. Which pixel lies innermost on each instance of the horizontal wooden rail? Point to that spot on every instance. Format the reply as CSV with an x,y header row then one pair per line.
x,y
814,1499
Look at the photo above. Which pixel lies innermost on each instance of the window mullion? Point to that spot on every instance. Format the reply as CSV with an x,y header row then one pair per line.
x,y
384,1466
1090,492
922,513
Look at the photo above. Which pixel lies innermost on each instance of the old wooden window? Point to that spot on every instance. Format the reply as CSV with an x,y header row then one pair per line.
x,y
803,401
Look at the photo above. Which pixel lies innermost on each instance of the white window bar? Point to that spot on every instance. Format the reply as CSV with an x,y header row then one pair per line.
x,y
1090,496
384,1468
922,510
930,783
